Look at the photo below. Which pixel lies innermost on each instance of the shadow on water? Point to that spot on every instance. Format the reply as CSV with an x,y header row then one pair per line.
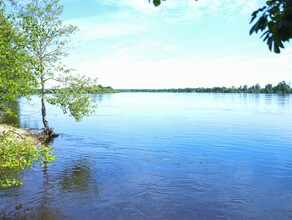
x,y
41,210
56,193
77,177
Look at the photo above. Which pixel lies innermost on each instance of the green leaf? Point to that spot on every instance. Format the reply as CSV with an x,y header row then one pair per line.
x,y
17,155
270,2
265,33
270,44
276,48
254,28
275,23
156,2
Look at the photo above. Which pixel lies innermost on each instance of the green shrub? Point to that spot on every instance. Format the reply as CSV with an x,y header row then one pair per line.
x,y
18,154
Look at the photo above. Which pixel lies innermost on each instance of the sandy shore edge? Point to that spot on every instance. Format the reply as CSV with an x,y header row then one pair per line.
x,y
21,134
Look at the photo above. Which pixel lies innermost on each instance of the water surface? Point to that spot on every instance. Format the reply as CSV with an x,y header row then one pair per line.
x,y
163,156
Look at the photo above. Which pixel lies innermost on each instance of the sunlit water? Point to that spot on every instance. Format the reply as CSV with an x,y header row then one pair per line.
x,y
163,156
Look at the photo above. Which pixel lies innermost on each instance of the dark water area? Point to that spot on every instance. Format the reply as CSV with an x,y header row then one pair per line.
x,y
162,156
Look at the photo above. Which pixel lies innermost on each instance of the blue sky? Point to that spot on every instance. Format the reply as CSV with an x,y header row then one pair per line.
x,y
182,43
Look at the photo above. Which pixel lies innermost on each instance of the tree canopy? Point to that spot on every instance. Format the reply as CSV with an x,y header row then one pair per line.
x,y
274,20
46,41
15,75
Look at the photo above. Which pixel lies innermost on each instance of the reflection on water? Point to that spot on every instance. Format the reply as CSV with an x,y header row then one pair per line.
x,y
77,178
44,199
31,209
164,156
43,210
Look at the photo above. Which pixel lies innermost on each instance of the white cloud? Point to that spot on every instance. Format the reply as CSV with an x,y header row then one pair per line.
x,y
122,71
142,6
94,28
138,16
141,52
175,10
187,10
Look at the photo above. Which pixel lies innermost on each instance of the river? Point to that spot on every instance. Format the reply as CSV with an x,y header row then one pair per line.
x,y
162,156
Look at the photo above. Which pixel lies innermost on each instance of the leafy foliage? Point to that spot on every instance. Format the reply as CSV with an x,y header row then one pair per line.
x,y
47,42
99,89
72,96
15,75
16,156
16,79
275,20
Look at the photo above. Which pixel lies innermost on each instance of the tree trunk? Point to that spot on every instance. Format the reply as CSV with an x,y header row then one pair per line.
x,y
47,130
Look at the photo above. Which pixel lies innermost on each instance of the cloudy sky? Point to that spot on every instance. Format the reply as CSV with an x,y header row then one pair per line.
x,y
182,43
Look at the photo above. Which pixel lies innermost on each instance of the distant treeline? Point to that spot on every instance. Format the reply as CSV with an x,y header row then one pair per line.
x,y
96,89
281,88
99,89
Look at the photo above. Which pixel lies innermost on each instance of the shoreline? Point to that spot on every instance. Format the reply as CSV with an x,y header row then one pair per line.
x,y
23,134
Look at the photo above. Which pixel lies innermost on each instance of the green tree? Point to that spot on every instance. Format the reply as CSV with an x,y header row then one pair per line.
x,y
274,20
16,79
269,88
282,88
245,89
15,76
257,88
47,42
